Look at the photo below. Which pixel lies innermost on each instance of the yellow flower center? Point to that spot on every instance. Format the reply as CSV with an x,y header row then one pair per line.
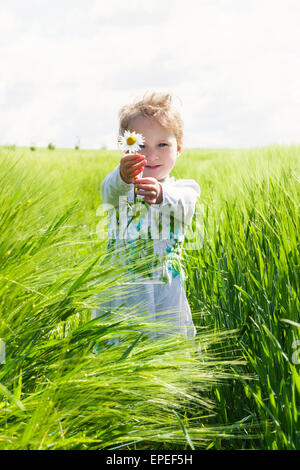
x,y
130,140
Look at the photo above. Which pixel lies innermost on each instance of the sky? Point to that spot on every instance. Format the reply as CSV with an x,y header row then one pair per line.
x,y
67,67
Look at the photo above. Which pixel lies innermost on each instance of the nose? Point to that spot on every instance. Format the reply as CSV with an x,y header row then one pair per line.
x,y
150,156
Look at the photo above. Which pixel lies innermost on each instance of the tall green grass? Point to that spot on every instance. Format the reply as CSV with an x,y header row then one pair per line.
x,y
246,276
56,393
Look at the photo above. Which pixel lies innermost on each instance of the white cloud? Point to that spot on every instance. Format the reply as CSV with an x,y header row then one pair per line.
x,y
67,68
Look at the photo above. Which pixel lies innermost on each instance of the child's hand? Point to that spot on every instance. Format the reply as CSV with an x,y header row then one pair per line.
x,y
131,165
151,189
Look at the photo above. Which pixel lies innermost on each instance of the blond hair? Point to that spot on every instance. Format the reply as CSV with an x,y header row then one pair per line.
x,y
154,105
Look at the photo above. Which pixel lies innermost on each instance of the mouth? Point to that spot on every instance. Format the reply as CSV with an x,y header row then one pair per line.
x,y
153,167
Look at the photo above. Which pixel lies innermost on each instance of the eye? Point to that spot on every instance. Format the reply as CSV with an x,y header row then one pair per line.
x,y
162,144
142,146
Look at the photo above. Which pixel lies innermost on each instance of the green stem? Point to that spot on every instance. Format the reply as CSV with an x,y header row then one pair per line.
x,y
134,192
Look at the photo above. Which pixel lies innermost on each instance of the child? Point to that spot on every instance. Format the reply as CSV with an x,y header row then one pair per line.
x,y
162,298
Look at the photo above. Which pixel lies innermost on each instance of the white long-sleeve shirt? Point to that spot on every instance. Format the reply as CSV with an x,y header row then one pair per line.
x,y
162,297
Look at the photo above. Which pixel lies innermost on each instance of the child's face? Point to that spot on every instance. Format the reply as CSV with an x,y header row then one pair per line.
x,y
160,148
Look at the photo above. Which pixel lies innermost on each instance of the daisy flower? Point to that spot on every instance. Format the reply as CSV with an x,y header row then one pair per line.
x,y
130,141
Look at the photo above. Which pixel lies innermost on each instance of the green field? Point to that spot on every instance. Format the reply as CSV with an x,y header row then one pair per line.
x,y
243,288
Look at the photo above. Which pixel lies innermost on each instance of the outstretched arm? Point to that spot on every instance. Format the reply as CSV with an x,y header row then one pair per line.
x,y
120,181
113,186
